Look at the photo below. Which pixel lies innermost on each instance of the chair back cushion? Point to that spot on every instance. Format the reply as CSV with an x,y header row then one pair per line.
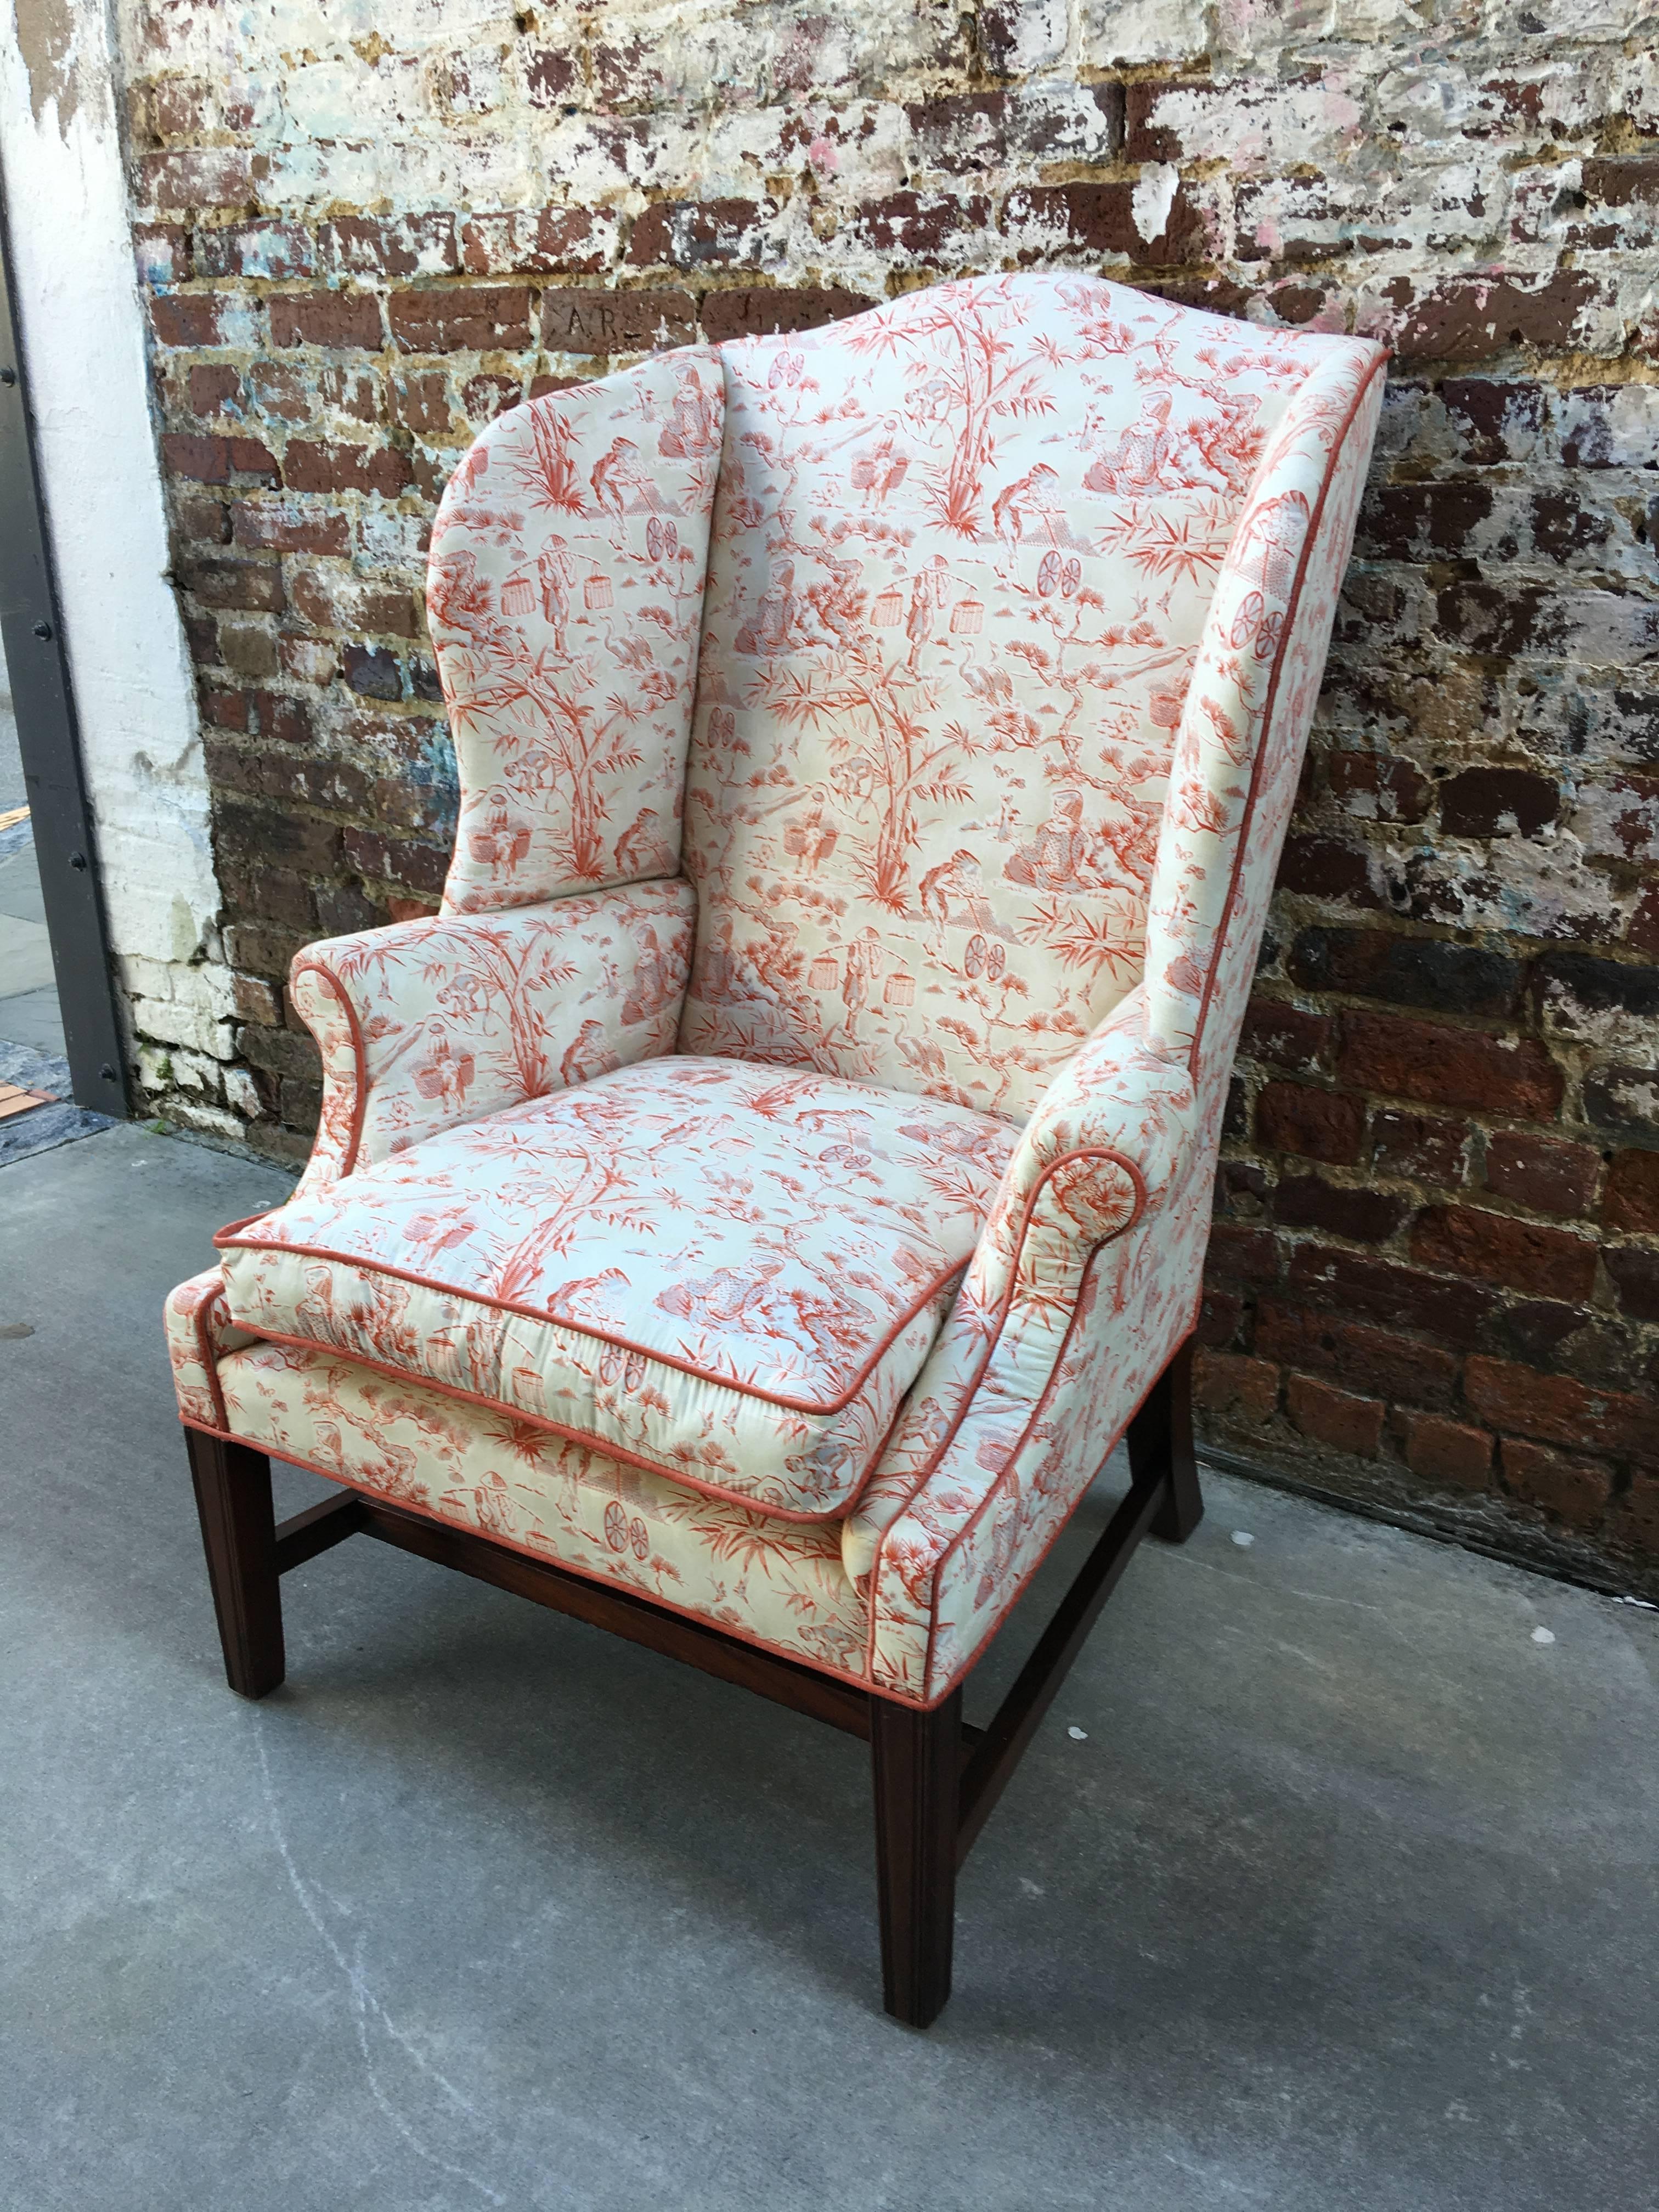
x,y
963,550
563,592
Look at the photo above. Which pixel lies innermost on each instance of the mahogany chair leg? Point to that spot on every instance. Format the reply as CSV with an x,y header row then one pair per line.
x,y
917,1758
238,1534
1160,1439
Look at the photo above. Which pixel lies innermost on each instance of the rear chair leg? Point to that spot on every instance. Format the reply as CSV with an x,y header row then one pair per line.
x,y
1161,1441
232,1496
917,1758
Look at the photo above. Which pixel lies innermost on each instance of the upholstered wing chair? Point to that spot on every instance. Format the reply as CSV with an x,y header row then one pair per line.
x,y
749,1213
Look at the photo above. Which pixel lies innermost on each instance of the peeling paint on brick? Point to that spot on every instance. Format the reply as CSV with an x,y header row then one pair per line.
x,y
357,254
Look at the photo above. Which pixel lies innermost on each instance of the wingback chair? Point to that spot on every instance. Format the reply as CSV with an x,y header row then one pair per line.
x,y
749,1213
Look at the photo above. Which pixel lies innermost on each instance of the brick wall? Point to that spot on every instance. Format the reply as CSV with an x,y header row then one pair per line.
x,y
1436,1275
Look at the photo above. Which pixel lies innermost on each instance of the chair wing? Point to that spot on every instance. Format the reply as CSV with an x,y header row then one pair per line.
x,y
564,592
1089,1274
965,550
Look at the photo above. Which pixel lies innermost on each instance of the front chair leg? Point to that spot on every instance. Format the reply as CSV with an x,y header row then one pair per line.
x,y
239,1531
1160,1443
917,1758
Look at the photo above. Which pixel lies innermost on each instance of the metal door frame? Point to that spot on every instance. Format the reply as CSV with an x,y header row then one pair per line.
x,y
54,781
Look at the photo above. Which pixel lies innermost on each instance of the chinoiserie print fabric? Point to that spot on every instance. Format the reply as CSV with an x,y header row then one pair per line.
x,y
792,1142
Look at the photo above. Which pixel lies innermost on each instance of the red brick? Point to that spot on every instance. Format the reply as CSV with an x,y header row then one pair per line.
x,y
696,233
1474,318
1325,867
622,71
1545,1173
549,242
281,719
551,78
1321,1125
476,318
226,710
1099,219
1632,1195
1495,419
1284,1035
255,1001
1328,1416
203,521
395,246
1384,1290
1643,935
216,460
1374,1361
284,527
1231,1382
1447,1452
1447,1066
1496,802
762,313
308,466
1145,140
326,318
208,177
193,319
373,670
918,224
354,390
577,320
271,250
213,388
162,253
1559,1410
1573,1488
420,400
1405,522
483,397
1411,971
1378,787
248,649
1219,1315
1495,1248
411,909
235,584
307,659
1368,1217
1418,1146
392,859
1634,1273
1247,1255
281,389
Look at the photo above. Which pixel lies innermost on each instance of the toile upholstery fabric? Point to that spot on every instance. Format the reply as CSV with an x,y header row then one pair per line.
x,y
718,1271
875,748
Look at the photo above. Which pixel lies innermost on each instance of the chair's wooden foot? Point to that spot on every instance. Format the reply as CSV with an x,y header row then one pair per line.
x,y
238,1534
917,1758
1160,1443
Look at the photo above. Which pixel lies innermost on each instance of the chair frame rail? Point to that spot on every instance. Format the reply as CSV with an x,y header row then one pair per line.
x,y
937,1779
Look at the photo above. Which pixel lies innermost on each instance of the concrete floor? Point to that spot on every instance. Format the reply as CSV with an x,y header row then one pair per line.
x,y
1345,1900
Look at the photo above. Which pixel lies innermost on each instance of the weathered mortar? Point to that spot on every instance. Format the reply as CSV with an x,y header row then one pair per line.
x,y
1436,1271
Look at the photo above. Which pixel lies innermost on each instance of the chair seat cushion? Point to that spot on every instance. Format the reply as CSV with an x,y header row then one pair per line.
x,y
725,1273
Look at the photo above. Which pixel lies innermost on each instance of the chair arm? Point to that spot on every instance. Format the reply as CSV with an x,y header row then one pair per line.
x,y
1105,1199
200,1332
430,1023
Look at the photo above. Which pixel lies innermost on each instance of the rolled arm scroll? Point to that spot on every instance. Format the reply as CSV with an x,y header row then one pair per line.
x,y
996,1442
431,1023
